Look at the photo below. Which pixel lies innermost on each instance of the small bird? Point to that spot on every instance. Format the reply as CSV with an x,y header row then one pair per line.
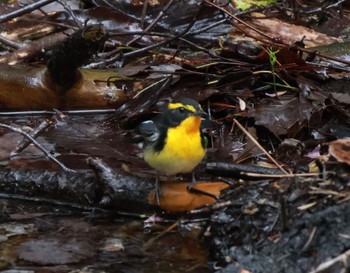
x,y
173,141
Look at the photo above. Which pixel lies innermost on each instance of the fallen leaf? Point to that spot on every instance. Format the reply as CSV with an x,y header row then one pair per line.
x,y
279,115
290,33
340,150
175,196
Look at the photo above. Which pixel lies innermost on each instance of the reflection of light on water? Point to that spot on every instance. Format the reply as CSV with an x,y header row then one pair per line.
x,y
345,57
37,79
335,50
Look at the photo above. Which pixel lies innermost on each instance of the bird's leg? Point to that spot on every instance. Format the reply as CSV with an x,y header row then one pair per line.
x,y
157,189
192,189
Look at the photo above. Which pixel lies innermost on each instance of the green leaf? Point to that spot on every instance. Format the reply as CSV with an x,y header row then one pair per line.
x,y
246,4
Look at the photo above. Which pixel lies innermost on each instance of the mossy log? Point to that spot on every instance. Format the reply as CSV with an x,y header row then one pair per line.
x,y
62,84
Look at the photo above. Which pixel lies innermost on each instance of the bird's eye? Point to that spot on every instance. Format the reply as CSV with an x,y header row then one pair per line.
x,y
182,110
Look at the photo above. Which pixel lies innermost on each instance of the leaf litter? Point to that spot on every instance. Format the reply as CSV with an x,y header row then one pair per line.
x,y
259,67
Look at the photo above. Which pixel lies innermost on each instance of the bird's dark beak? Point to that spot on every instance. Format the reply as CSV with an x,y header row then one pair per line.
x,y
201,113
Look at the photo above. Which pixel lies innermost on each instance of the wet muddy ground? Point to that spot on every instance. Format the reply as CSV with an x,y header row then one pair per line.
x,y
274,81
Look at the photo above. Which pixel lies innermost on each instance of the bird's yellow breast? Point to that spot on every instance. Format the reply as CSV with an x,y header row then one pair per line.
x,y
182,151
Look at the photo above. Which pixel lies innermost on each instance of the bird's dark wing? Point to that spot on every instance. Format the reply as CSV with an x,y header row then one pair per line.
x,y
148,130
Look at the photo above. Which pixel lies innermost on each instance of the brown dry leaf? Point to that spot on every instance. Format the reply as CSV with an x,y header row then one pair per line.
x,y
340,150
175,196
280,115
290,33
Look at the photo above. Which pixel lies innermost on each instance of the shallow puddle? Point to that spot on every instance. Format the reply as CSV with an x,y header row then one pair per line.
x,y
44,238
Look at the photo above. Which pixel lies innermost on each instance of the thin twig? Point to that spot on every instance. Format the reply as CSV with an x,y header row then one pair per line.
x,y
182,33
275,41
211,207
47,112
26,9
239,20
155,21
311,237
36,144
150,242
144,11
53,202
25,143
292,175
206,28
113,33
316,190
71,13
211,54
260,147
283,211
9,43
325,266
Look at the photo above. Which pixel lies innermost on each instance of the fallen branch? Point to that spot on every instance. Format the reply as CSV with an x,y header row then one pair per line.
x,y
104,188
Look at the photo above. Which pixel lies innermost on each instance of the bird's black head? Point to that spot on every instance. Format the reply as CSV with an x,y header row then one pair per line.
x,y
178,110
